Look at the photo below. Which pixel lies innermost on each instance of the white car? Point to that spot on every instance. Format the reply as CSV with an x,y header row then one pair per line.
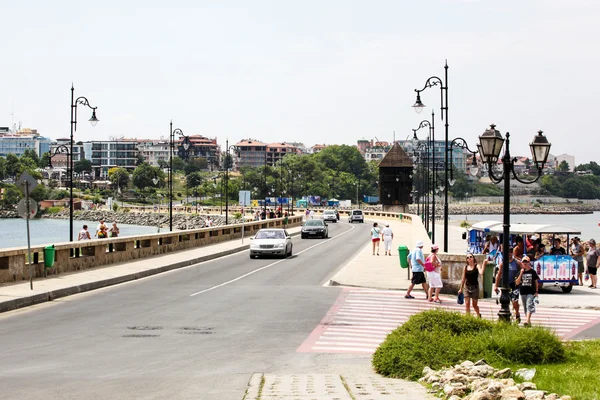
x,y
330,216
271,242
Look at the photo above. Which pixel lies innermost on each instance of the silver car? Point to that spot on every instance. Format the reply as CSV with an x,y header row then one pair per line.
x,y
330,216
271,242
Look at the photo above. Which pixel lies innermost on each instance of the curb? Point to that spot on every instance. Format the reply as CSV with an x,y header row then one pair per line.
x,y
336,283
22,302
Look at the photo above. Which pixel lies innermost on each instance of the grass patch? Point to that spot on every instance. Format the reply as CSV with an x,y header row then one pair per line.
x,y
437,339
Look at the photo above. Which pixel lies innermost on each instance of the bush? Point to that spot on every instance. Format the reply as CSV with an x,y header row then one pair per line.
x,y
439,338
237,215
115,206
53,210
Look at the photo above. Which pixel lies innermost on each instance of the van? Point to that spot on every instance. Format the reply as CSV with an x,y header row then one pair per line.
x,y
356,216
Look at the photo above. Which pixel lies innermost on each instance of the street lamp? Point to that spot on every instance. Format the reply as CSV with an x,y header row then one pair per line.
x,y
227,162
491,142
431,141
93,121
418,107
62,149
172,134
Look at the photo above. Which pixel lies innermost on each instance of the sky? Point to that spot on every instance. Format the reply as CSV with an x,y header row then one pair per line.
x,y
328,71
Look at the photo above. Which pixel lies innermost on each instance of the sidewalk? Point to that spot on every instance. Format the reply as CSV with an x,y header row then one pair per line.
x,y
18,295
384,272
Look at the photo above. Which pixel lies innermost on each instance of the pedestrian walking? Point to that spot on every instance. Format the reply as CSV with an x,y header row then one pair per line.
x,y
513,272
114,230
592,259
375,237
101,230
84,234
312,214
577,254
528,282
435,276
469,285
417,262
388,236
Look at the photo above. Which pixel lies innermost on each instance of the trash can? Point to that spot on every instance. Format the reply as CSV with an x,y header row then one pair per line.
x,y
49,252
403,253
400,215
488,282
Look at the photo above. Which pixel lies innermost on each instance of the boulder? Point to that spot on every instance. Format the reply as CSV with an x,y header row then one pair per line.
x,y
527,386
454,390
503,373
511,393
481,370
482,395
533,394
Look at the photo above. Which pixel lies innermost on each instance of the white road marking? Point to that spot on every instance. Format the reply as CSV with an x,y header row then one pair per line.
x,y
269,265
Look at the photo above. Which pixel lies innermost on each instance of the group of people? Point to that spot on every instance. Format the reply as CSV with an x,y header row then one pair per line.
x,y
377,235
418,263
102,231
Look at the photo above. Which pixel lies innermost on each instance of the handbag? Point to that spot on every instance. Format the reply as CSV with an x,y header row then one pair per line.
x,y
460,299
429,267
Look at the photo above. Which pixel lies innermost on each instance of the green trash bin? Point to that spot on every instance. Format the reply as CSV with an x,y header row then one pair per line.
x,y
488,276
49,253
403,253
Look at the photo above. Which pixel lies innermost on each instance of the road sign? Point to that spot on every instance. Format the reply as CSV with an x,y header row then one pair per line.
x,y
245,198
22,208
22,182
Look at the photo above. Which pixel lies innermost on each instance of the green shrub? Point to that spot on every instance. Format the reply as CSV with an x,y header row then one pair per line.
x,y
115,207
54,210
437,339
465,224
237,215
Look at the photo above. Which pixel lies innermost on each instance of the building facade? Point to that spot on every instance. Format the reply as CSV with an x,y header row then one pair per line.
x,y
251,153
115,153
154,151
16,143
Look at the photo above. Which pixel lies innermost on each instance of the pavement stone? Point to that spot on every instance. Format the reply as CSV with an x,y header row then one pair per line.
x,y
332,387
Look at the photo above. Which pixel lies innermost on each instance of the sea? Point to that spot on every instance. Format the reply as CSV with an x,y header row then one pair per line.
x,y
13,231
586,223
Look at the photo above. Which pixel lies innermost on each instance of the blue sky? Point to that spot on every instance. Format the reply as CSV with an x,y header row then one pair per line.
x,y
311,71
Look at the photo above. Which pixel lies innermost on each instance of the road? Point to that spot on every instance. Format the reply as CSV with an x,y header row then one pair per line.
x,y
194,333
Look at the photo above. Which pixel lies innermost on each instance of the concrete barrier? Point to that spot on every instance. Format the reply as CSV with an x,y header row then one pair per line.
x,y
81,255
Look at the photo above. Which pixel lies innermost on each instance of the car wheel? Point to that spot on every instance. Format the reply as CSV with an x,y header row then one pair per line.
x,y
567,289
290,253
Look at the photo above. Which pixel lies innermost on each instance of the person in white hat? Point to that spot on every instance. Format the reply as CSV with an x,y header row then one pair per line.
x,y
388,236
417,262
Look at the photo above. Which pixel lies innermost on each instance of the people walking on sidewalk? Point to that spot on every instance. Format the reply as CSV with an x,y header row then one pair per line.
x,y
528,282
577,253
469,285
435,276
388,236
513,272
101,230
114,230
84,234
417,262
375,237
592,259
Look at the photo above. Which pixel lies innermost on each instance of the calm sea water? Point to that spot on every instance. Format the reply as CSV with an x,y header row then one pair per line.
x,y
13,231
586,223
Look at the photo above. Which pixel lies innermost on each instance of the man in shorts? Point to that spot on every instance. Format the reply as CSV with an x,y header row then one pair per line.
x,y
417,262
528,283
577,254
514,267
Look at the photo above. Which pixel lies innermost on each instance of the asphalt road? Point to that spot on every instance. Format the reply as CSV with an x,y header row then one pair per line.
x,y
194,333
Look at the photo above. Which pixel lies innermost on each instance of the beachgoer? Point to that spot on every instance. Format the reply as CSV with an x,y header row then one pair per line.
x,y
375,237
388,236
557,250
417,262
592,260
577,254
514,266
312,214
469,284
519,249
435,276
528,282
84,234
114,230
101,230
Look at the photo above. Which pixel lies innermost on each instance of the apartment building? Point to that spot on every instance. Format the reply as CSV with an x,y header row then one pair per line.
x,y
200,146
250,153
16,142
276,152
154,151
113,153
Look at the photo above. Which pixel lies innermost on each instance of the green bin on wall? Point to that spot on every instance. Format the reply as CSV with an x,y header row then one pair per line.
x,y
49,254
403,253
488,283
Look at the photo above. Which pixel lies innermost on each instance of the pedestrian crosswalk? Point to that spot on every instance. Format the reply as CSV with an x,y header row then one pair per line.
x,y
361,319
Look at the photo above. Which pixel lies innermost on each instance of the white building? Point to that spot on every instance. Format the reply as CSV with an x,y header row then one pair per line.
x,y
568,158
16,142
154,151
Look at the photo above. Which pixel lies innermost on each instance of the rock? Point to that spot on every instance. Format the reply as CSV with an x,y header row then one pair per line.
x,y
479,384
503,373
552,396
495,388
481,362
482,395
481,370
436,386
433,378
565,397
507,382
526,374
533,394
427,371
467,364
454,390
511,393
454,397
527,386
460,378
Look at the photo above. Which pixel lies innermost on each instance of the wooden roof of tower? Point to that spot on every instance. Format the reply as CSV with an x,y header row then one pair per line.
x,y
396,157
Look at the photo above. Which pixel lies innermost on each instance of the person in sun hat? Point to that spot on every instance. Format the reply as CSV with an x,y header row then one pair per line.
x,y
388,236
417,262
435,276
528,283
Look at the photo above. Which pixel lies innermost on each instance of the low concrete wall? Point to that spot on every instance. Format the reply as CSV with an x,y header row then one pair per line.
x,y
81,255
452,269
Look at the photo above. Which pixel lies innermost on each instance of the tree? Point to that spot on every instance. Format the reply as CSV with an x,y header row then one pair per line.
x,y
31,154
178,164
144,174
3,168
195,165
12,165
118,177
11,197
591,166
193,180
140,159
563,166
44,160
83,165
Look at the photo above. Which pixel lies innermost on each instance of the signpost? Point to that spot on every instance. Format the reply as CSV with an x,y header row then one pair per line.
x,y
26,209
245,201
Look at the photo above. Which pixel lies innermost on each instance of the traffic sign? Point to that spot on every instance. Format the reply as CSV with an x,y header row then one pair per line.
x,y
22,208
244,198
24,179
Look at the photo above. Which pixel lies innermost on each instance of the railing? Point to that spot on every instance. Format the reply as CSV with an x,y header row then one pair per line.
x,y
81,255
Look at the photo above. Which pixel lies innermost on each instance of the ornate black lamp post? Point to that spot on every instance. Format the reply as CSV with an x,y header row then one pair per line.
x,y
227,162
418,106
491,142
186,146
93,120
431,145
462,143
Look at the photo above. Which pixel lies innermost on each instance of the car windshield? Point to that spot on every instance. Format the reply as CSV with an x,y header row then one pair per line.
x,y
270,235
329,212
314,222
357,212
